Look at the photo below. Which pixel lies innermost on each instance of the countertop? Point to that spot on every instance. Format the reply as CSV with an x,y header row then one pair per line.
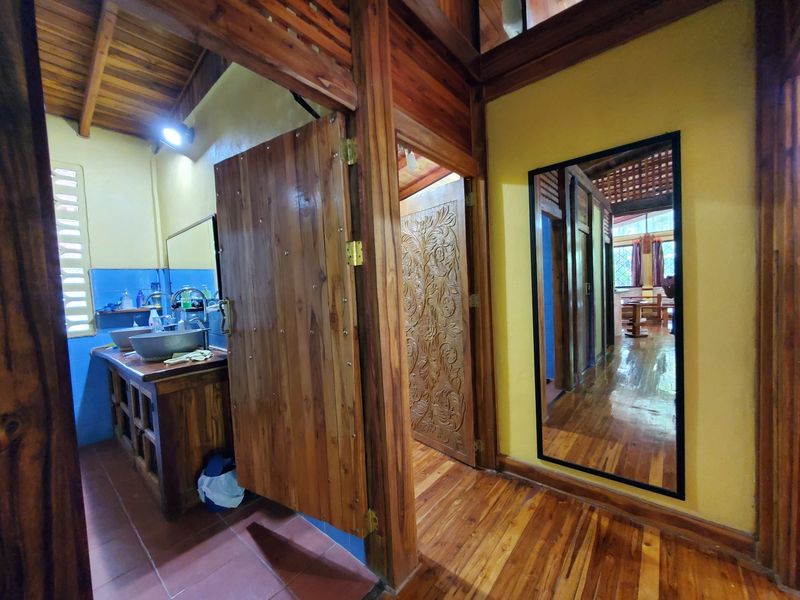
x,y
134,366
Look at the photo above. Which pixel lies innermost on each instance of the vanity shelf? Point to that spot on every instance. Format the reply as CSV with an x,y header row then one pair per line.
x,y
169,418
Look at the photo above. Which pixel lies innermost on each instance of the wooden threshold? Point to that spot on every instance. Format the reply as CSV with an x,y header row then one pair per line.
x,y
738,543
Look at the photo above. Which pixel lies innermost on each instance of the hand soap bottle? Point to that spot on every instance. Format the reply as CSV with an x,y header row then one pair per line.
x,y
155,321
125,302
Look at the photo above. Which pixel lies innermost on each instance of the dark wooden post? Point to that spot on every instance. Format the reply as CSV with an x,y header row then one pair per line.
x,y
392,549
43,548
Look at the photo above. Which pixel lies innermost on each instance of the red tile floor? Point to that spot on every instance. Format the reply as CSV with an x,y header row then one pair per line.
x,y
261,550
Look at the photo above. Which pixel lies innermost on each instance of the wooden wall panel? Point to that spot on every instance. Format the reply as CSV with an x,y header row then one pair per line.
x,y
427,89
207,71
43,546
301,49
461,14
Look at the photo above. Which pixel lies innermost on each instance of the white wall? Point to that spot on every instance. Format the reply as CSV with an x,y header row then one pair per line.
x,y
119,193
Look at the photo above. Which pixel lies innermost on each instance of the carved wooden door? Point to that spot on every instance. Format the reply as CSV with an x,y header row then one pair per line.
x,y
283,216
436,299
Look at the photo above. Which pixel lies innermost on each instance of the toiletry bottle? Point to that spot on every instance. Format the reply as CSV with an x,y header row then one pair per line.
x,y
155,320
125,302
206,291
140,299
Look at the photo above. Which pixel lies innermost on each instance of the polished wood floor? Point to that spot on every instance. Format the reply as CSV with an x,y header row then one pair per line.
x,y
484,536
621,418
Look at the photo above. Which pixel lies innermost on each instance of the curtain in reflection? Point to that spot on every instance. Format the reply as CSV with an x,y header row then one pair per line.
x,y
658,264
636,264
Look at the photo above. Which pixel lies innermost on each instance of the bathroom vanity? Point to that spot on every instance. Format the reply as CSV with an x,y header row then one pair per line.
x,y
169,418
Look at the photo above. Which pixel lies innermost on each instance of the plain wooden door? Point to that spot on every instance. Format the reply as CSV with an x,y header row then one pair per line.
x,y
283,216
436,302
584,303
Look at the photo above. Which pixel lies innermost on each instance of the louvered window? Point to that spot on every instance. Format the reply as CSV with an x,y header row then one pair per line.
x,y
73,248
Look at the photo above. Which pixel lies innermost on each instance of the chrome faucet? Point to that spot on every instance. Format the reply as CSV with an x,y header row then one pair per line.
x,y
203,298
153,295
202,327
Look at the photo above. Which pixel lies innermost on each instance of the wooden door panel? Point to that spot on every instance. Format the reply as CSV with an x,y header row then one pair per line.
x,y
436,302
283,215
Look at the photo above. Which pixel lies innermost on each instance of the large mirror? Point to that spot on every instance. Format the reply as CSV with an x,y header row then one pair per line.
x,y
606,248
192,258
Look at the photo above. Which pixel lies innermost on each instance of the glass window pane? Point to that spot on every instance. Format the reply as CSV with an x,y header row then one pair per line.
x,y
630,225
623,276
662,220
668,248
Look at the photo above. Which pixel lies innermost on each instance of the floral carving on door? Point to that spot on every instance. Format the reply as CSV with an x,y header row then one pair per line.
x,y
433,297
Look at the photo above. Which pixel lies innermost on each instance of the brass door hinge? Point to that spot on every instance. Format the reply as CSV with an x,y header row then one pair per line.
x,y
371,521
474,300
470,199
349,151
354,250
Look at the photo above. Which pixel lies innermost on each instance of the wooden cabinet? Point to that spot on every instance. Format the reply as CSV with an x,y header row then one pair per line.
x,y
170,418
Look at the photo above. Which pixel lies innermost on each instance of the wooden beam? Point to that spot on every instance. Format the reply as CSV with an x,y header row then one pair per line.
x,y
443,34
207,70
580,32
43,541
392,549
427,179
431,145
102,42
242,34
661,202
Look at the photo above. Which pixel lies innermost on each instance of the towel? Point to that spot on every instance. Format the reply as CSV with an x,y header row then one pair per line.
x,y
198,355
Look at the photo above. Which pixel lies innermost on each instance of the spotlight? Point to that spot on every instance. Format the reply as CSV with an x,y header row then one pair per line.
x,y
177,135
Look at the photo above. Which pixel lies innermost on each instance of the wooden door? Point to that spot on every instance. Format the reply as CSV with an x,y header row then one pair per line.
x,y
436,302
581,201
283,215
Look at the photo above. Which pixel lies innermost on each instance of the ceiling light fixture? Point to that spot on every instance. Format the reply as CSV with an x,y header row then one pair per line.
x,y
177,135
411,160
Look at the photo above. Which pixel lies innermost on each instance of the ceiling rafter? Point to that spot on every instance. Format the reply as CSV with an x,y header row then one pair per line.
x,y
102,43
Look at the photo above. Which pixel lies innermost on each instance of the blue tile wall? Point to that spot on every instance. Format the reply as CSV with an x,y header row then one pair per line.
x,y
196,278
354,545
89,379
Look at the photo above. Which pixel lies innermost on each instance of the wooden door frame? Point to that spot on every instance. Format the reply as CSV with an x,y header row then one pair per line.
x,y
43,536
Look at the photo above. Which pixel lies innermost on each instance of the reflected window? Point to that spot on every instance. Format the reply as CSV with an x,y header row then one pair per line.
x,y
623,271
501,20
668,249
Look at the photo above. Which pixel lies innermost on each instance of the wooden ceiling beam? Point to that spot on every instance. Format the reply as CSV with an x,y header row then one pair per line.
x,y
102,42
427,179
579,32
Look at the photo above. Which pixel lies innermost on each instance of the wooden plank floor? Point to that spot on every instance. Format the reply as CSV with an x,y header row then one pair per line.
x,y
621,419
482,535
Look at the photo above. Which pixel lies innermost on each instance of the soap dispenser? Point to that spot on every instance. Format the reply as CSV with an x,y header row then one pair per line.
x,y
155,320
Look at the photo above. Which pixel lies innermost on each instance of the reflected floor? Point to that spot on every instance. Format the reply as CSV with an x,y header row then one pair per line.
x,y
621,418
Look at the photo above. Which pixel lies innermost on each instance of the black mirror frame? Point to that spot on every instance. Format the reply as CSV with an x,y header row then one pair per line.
x,y
680,455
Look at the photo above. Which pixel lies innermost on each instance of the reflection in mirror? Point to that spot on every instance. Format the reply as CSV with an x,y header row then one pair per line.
x,y
192,258
501,20
192,263
607,289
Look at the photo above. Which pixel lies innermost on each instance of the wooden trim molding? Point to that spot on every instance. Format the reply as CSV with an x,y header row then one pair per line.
x,y
580,32
730,540
392,548
43,541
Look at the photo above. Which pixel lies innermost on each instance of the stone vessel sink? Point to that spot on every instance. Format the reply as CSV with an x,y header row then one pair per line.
x,y
122,337
163,344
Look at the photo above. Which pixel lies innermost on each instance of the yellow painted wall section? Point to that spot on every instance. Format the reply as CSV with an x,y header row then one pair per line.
x,y
240,111
119,193
696,76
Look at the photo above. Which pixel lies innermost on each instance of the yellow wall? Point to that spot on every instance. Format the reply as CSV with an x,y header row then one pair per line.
x,y
119,193
242,110
696,76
